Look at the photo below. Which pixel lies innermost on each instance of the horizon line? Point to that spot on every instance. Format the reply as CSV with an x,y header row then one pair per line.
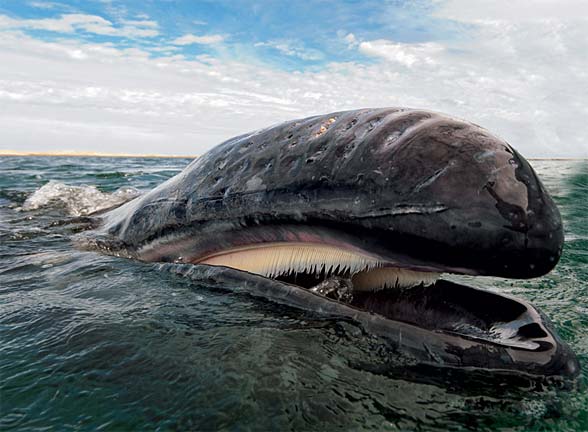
x,y
176,156
92,154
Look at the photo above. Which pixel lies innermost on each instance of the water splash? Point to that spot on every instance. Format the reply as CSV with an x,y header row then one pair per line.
x,y
77,200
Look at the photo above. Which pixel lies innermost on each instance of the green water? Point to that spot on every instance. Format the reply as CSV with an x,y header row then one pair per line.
x,y
91,342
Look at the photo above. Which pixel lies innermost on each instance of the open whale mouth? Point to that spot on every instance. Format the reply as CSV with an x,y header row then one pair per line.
x,y
433,320
326,268
309,256
411,295
305,255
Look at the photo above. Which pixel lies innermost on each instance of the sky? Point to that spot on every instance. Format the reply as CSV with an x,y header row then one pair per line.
x,y
179,76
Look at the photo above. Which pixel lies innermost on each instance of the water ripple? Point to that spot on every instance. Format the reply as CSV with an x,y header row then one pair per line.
x,y
99,343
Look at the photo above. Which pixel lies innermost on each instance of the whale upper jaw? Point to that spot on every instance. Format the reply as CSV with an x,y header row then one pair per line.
x,y
357,246
447,193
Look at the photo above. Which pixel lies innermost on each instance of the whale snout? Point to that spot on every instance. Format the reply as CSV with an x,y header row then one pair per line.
x,y
542,254
476,207
532,232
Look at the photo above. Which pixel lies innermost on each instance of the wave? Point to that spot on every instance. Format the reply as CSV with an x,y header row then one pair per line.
x,y
77,200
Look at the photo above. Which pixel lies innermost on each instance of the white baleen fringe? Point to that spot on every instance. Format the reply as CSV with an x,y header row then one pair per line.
x,y
276,259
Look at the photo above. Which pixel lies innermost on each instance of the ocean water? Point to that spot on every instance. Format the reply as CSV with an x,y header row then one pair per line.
x,y
94,342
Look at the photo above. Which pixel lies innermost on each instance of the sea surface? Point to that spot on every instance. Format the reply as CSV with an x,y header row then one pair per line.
x,y
95,342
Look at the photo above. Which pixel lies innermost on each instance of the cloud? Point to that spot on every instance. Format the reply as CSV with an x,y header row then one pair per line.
x,y
71,23
293,48
405,54
516,11
190,39
49,5
164,48
522,79
351,40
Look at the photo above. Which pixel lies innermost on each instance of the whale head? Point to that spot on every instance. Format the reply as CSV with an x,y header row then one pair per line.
x,y
360,213
384,188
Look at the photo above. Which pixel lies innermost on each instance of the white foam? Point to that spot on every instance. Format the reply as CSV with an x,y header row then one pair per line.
x,y
77,200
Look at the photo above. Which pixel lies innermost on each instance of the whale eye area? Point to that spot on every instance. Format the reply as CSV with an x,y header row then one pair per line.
x,y
307,264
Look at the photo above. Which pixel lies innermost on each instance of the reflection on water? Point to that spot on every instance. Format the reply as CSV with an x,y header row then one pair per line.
x,y
90,341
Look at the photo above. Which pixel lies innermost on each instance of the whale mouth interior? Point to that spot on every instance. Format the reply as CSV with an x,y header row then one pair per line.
x,y
411,295
307,264
364,274
463,311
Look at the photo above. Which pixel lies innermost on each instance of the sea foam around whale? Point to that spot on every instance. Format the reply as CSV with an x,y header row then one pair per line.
x,y
78,200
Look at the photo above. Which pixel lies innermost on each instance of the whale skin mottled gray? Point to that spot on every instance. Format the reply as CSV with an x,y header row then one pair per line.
x,y
411,189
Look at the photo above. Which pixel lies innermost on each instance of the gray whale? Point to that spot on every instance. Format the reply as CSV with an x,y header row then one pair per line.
x,y
387,199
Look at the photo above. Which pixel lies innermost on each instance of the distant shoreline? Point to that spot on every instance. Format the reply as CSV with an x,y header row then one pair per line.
x,y
92,154
164,156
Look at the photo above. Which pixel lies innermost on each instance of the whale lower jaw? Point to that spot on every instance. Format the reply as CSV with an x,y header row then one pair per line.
x,y
287,260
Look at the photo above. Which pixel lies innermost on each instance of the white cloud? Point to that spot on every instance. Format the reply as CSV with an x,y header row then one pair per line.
x,y
293,48
164,48
71,23
49,5
515,10
524,80
404,54
190,39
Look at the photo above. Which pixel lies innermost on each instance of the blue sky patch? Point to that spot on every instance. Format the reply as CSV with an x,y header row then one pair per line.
x,y
288,35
